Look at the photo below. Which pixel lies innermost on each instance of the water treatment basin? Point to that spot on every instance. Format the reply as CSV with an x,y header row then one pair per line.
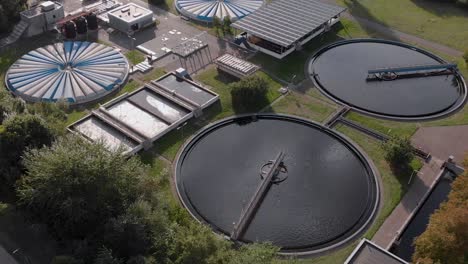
x,y
324,195
341,72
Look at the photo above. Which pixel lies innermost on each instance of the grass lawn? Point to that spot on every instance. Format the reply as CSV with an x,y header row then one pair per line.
x,y
153,74
440,21
303,105
168,145
388,127
134,56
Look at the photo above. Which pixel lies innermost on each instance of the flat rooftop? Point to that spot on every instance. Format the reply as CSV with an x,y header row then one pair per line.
x,y
130,12
284,22
135,120
369,253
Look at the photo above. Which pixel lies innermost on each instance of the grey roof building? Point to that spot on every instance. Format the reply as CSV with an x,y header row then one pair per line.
x,y
277,28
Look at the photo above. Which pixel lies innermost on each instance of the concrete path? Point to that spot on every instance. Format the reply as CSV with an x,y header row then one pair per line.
x,y
417,192
443,141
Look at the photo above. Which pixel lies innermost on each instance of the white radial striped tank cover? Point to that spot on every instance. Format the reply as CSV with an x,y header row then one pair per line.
x,y
76,72
205,10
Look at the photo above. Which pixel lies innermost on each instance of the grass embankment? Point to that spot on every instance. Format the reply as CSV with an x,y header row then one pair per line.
x,y
134,56
439,21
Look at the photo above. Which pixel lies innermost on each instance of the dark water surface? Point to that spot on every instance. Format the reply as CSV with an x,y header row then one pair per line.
x,y
329,194
342,72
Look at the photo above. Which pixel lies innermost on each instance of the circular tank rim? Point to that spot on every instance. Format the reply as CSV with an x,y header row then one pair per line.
x,y
29,99
304,252
444,113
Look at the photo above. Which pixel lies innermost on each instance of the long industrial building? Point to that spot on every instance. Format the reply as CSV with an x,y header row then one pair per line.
x,y
282,26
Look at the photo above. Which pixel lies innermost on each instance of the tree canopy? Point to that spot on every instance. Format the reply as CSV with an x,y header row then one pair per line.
x,y
83,192
9,13
398,152
445,240
20,132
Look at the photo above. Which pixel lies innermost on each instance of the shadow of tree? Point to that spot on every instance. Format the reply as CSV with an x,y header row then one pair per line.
x,y
373,26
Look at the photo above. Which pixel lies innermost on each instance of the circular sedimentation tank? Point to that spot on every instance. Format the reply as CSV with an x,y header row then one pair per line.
x,y
206,10
324,192
75,72
341,72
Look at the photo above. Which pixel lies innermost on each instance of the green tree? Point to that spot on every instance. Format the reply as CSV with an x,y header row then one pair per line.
x,y
195,243
10,104
217,24
257,253
10,13
82,185
20,132
445,240
145,226
53,113
398,152
227,25
249,94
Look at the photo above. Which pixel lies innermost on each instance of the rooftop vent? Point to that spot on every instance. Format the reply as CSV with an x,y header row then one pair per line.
x,y
47,6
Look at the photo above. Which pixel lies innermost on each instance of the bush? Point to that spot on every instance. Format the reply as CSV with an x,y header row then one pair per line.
x,y
10,13
227,25
399,152
217,25
83,192
20,132
249,93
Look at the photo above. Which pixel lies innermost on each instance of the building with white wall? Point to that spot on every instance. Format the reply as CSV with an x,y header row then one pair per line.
x,y
130,18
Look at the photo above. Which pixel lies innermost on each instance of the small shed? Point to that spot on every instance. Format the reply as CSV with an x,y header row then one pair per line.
x,y
130,18
235,66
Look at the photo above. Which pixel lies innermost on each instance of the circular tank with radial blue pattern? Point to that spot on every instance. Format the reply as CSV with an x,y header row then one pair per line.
x,y
205,10
75,72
